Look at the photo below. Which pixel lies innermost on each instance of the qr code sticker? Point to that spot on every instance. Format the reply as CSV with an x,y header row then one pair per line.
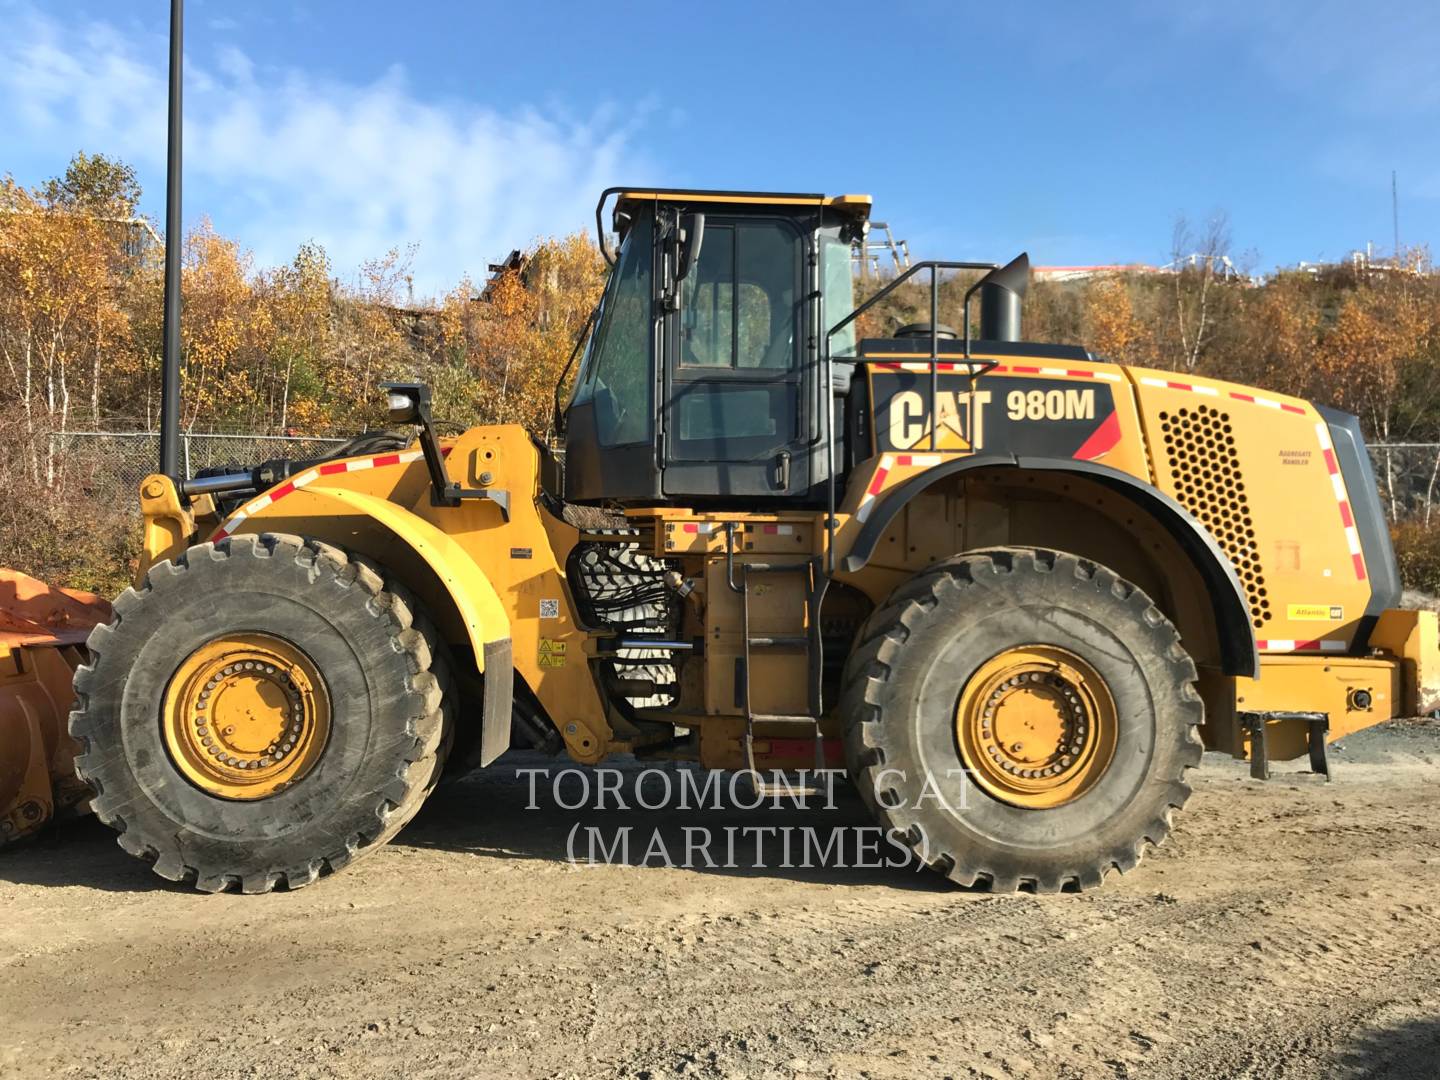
x,y
549,609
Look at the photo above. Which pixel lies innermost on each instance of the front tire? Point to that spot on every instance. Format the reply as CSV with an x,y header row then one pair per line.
x,y
1023,718
261,712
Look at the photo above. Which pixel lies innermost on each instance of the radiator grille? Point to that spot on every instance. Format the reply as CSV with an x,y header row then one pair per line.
x,y
1205,470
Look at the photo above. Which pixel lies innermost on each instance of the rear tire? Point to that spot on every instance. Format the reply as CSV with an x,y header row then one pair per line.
x,y
906,688
387,723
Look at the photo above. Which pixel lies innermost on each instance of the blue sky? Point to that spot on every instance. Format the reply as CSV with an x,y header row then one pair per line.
x,y
1075,131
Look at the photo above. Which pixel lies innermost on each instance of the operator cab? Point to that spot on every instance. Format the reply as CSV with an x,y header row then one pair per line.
x,y
701,379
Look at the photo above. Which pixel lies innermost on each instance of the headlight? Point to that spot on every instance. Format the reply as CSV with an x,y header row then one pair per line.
x,y
401,405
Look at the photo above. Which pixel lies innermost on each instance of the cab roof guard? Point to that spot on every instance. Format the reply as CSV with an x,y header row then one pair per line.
x,y
856,205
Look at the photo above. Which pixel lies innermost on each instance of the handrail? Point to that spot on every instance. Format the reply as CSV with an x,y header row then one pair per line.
x,y
934,266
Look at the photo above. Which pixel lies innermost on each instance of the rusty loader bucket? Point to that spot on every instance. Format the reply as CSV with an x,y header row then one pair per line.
x,y
42,641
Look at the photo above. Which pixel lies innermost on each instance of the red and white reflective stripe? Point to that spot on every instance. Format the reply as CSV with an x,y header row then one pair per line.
x,y
867,501
1347,516
1276,645
888,462
923,367
923,460
704,528
896,365
275,494
1056,372
1215,392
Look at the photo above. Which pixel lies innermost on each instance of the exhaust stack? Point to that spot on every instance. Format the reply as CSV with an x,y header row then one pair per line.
x,y
174,242
1001,294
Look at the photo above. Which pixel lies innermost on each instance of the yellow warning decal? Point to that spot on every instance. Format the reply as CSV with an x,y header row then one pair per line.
x,y
1315,612
552,652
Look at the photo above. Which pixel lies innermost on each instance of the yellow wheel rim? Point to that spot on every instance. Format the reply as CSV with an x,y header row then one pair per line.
x,y
245,716
1036,726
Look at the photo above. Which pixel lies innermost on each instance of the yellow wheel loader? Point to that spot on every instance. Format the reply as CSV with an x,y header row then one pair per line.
x,y
1011,588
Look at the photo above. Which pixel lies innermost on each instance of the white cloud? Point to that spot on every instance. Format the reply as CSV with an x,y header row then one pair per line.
x,y
278,157
1369,59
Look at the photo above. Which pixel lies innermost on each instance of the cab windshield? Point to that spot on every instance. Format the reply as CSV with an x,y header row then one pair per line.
x,y
615,373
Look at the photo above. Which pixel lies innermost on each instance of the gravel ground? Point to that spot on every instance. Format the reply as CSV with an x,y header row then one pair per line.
x,y
1290,928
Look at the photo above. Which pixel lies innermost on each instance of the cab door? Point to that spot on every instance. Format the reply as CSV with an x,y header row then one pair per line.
x,y
732,415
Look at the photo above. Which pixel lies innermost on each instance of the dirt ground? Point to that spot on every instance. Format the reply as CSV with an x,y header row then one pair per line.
x,y
1288,929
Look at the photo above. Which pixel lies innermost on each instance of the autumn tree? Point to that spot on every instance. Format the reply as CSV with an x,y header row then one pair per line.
x,y
96,185
58,312
1198,259
508,346
298,301
1112,328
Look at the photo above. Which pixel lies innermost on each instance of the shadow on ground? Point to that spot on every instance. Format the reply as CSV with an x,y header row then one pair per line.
x,y
558,815
81,852
1409,1050
653,815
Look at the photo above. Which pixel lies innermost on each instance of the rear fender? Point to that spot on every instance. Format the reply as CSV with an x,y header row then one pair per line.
x,y
1231,610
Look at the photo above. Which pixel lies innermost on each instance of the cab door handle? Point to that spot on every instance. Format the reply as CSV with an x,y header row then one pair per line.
x,y
782,470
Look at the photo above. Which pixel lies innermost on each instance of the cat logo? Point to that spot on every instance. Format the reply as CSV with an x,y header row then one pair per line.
x,y
961,419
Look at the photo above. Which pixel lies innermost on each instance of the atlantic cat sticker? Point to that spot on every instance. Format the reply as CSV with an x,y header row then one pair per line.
x,y
1315,612
1063,418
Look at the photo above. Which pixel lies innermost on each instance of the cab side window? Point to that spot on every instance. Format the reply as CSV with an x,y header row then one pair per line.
x,y
738,304
736,382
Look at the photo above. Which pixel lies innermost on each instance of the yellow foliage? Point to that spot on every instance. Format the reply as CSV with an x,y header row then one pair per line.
x,y
1114,331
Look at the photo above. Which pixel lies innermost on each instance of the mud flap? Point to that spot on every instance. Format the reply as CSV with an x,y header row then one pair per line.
x,y
499,700
1317,726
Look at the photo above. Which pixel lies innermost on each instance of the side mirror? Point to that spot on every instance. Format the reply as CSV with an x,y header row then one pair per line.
x,y
692,235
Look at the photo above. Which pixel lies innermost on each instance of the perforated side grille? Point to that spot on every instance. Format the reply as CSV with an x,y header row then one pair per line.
x,y
1206,473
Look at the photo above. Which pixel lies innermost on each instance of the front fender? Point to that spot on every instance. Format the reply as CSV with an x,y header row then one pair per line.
x,y
476,602
480,609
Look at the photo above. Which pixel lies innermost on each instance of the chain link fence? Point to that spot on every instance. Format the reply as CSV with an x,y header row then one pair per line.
x,y
109,465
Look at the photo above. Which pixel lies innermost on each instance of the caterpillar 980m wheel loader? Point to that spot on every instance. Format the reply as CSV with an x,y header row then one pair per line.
x,y
1013,589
